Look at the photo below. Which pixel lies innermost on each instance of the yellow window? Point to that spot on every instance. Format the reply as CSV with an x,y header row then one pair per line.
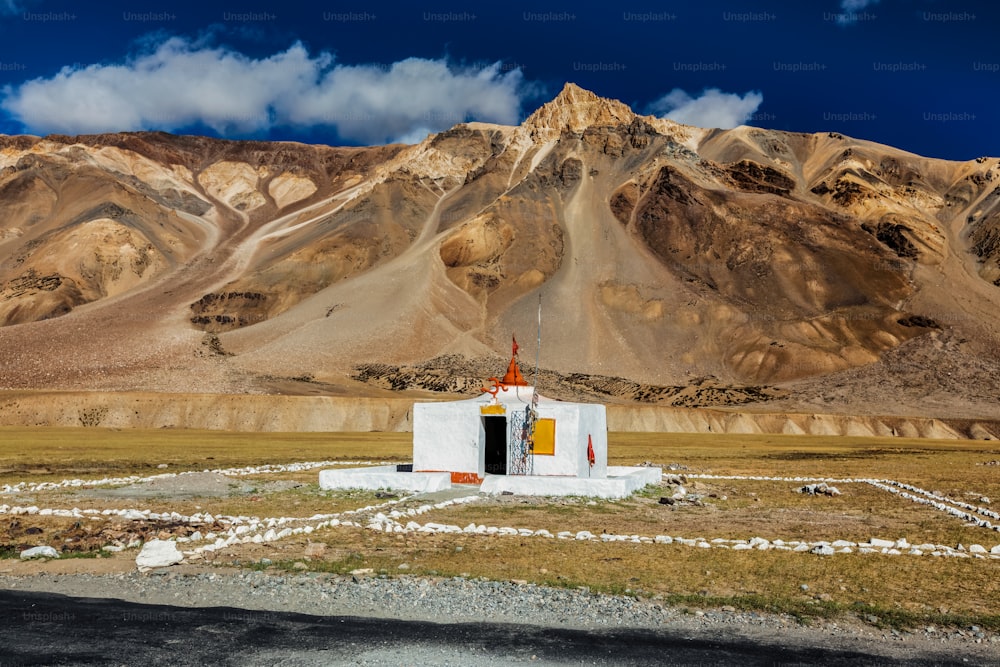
x,y
545,437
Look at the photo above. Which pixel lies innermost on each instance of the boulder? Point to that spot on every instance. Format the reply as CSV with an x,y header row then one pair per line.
x,y
39,552
158,553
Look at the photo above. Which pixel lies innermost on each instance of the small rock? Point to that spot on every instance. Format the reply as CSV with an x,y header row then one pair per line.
x,y
299,565
315,550
39,552
404,566
819,489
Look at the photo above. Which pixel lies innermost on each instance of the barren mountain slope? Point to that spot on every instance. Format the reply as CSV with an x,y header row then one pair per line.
x,y
662,255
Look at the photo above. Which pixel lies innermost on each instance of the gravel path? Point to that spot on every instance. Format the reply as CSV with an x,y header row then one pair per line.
x,y
458,600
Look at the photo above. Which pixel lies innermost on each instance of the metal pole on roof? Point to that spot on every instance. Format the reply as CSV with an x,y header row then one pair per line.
x,y
538,346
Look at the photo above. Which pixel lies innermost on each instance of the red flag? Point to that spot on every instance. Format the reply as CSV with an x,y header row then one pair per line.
x,y
514,346
590,451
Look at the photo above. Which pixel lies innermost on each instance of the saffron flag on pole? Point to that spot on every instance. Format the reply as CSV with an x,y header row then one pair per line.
x,y
590,451
514,347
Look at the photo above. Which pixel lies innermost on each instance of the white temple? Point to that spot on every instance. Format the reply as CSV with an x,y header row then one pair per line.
x,y
508,439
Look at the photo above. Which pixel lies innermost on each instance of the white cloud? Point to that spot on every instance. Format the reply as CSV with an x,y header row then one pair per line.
x,y
856,5
179,84
850,10
713,108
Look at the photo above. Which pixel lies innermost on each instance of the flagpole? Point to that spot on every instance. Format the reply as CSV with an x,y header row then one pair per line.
x,y
538,346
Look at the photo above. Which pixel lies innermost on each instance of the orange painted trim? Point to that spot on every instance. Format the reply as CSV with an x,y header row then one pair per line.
x,y
459,477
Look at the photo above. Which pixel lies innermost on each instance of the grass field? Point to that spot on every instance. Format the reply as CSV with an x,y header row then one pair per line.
x,y
886,590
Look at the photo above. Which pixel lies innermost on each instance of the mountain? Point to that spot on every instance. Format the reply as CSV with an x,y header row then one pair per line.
x,y
672,264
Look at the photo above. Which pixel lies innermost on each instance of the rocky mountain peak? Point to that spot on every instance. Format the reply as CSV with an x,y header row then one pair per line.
x,y
577,109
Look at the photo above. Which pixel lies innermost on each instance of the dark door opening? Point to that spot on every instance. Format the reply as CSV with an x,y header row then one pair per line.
x,y
496,444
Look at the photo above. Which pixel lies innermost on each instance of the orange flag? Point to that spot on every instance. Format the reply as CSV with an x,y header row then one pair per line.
x,y
514,347
590,451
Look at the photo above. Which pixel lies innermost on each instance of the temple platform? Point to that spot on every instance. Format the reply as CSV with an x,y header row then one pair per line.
x,y
620,482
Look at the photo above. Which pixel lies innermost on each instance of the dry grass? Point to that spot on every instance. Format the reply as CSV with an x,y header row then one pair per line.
x,y
301,502
771,510
900,590
45,454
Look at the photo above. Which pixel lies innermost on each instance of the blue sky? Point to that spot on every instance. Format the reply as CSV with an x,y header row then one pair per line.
x,y
922,75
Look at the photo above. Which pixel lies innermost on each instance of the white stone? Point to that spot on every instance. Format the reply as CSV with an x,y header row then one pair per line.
x,y
39,552
823,550
995,550
158,553
881,544
976,549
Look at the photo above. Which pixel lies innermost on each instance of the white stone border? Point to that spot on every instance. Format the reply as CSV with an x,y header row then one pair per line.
x,y
29,487
256,530
913,493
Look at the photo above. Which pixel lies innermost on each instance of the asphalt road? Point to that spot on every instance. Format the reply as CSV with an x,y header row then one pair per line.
x,y
50,629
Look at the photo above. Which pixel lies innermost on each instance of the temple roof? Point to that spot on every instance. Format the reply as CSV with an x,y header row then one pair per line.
x,y
513,378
